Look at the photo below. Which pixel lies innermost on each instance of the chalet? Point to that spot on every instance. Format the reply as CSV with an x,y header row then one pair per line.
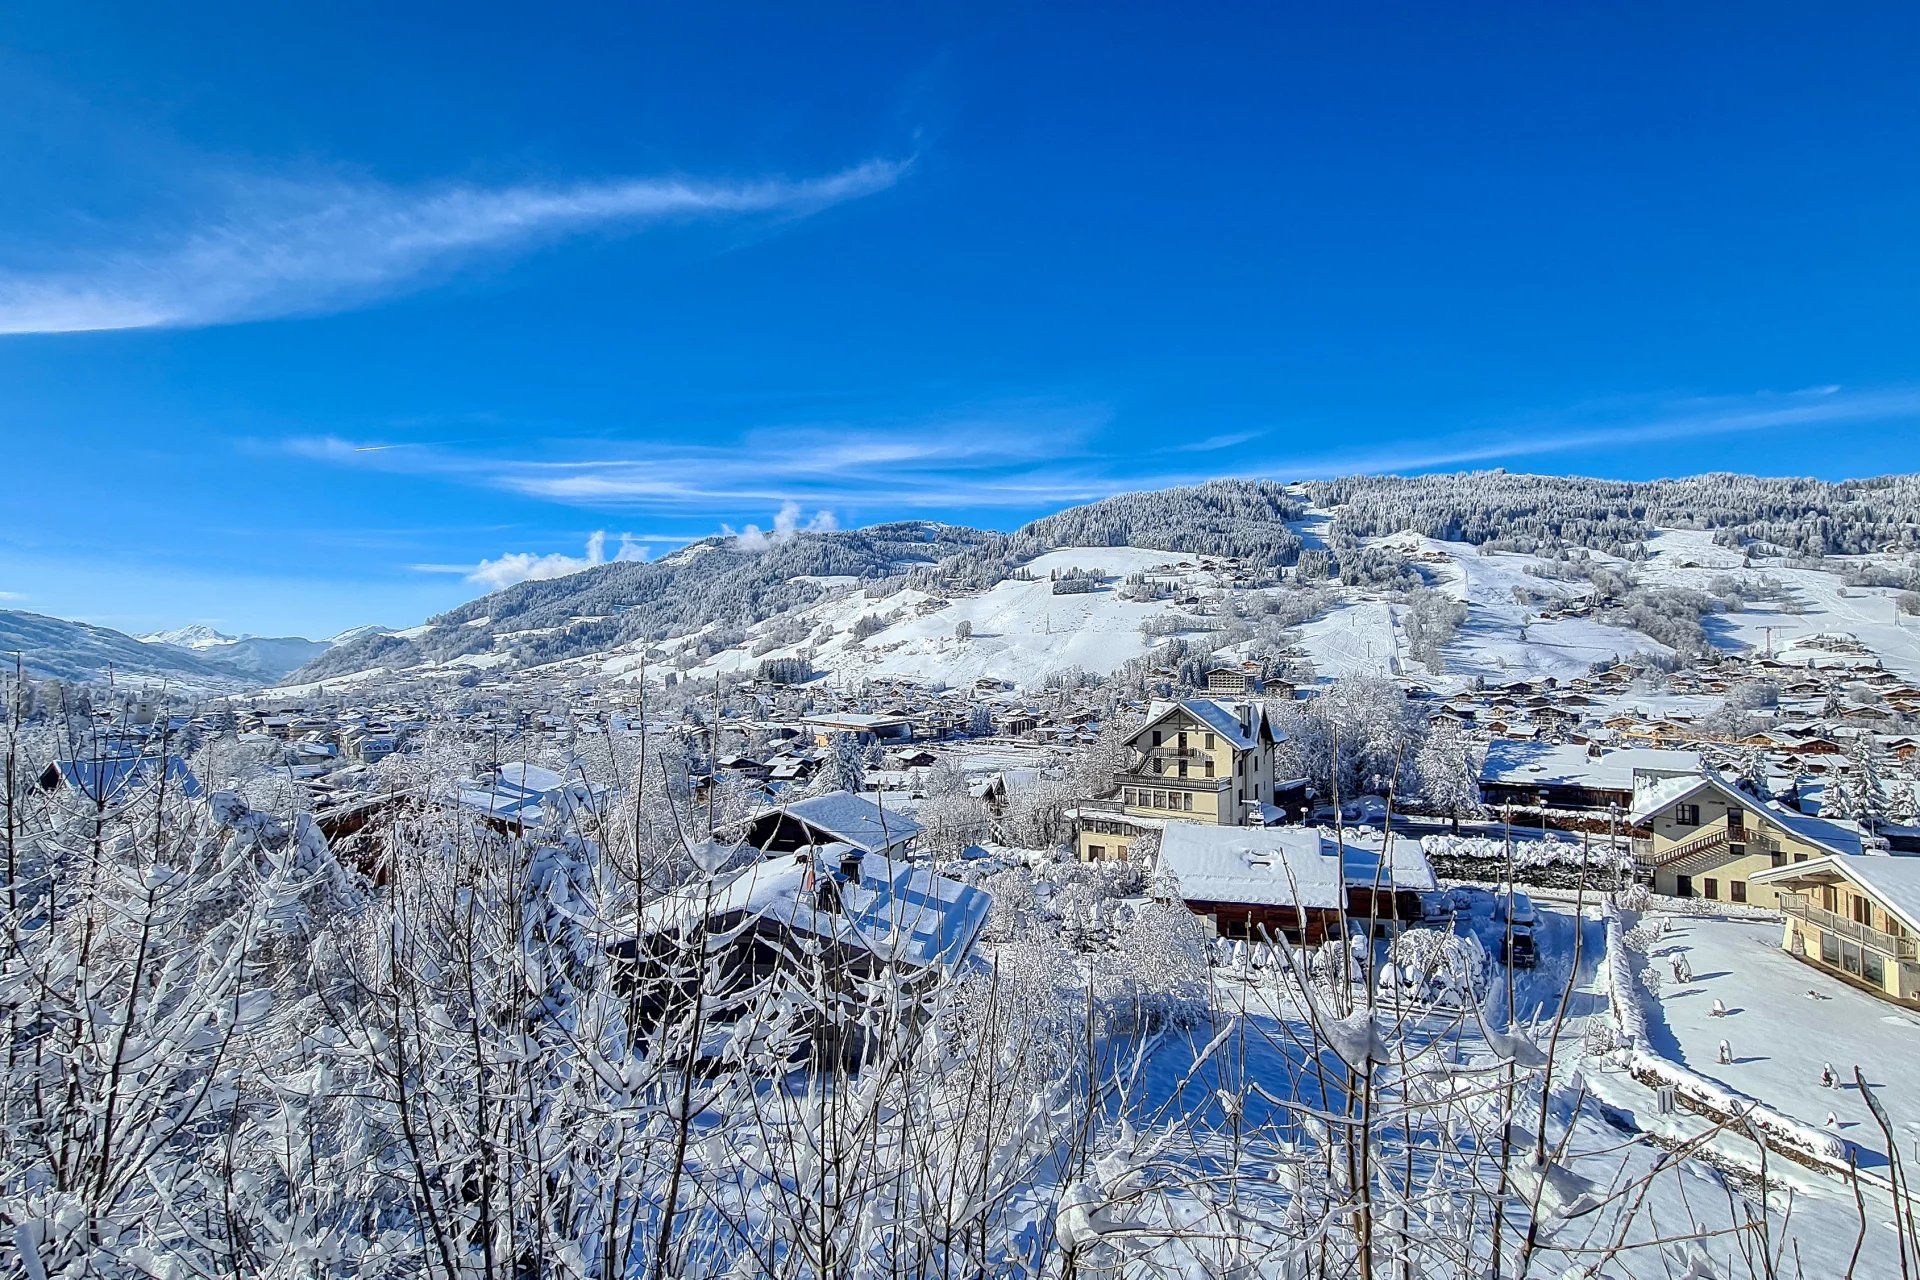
x,y
1252,882
1710,839
1195,761
528,797
1294,882
1858,918
839,817
1229,680
832,916
1591,778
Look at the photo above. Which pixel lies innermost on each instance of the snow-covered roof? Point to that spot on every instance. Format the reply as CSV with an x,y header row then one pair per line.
x,y
107,779
1843,838
896,912
852,819
1406,866
529,777
1515,762
1222,717
1258,866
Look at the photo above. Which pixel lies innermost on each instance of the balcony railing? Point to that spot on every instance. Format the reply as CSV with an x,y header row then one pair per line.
x,y
1797,906
1712,838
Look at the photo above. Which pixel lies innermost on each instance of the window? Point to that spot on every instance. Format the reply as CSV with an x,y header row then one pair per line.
x,y
1737,890
1156,737
1096,851
1186,802
1686,815
1712,889
1873,968
1209,741
1209,767
1683,886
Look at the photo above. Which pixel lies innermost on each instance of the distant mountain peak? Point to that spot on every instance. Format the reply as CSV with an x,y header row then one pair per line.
x,y
193,636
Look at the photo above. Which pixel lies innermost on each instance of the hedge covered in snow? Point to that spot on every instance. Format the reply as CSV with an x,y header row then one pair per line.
x,y
1551,862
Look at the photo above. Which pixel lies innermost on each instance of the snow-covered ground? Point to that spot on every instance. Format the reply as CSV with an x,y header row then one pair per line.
x,y
1822,604
1021,630
1505,639
1262,1057
1781,1036
1362,637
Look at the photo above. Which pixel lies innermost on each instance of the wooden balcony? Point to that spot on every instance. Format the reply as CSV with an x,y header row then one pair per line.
x,y
1799,907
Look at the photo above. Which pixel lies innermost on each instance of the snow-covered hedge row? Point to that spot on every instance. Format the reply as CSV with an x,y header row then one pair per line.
x,y
1781,1131
1527,854
1629,1018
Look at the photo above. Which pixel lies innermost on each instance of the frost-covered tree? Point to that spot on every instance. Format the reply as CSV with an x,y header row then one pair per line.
x,y
1448,768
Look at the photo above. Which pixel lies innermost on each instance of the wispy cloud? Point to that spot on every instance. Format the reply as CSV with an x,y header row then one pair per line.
x,y
281,248
1011,455
526,566
1613,425
1213,444
1032,457
11,595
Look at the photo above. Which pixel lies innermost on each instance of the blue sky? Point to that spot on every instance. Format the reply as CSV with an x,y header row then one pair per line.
x,y
318,316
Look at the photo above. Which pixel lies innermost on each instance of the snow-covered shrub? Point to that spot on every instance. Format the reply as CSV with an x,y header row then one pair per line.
x,y
1436,966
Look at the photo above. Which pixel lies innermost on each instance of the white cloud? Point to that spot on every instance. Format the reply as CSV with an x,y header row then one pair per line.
x,y
286,248
529,566
1016,454
786,523
11,595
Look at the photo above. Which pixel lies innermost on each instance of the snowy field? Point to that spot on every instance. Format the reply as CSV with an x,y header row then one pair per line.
x,y
1359,638
1502,639
1779,1035
1021,630
1822,604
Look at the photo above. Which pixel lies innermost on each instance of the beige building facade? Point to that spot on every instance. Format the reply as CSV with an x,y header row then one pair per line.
x,y
1201,760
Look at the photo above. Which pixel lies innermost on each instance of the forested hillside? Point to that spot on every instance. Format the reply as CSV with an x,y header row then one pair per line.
x,y
723,580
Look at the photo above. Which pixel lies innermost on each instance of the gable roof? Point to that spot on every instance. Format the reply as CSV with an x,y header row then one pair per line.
x,y
1842,838
1222,718
109,779
895,912
850,819
1257,866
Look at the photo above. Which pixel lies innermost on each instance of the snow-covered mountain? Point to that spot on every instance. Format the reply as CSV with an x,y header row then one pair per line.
x,y
59,649
732,583
260,659
194,636
1441,579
